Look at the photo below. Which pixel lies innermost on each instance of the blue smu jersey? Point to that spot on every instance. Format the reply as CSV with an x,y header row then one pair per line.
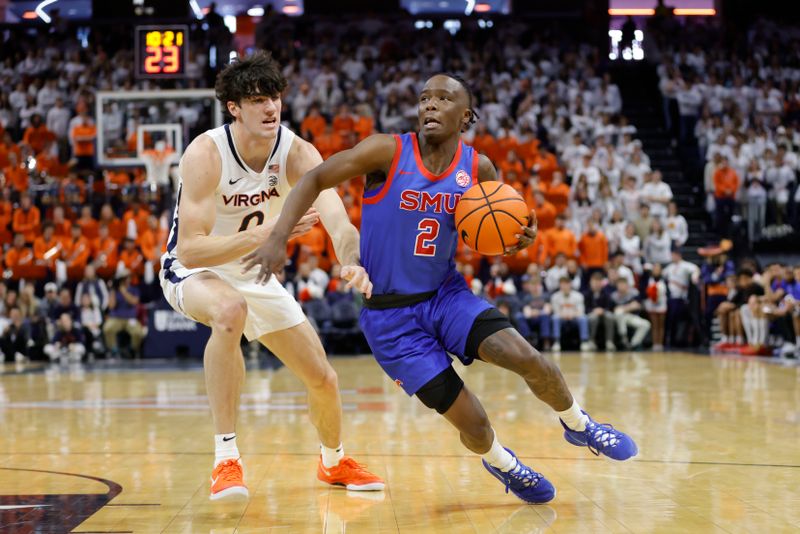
x,y
408,233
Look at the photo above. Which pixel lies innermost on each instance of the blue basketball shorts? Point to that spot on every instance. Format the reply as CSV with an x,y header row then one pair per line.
x,y
412,343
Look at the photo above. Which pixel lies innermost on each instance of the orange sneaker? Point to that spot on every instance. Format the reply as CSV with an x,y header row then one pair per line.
x,y
350,474
227,480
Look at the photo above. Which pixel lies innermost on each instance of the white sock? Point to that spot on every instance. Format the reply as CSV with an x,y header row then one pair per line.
x,y
498,457
724,339
331,457
574,418
739,340
225,447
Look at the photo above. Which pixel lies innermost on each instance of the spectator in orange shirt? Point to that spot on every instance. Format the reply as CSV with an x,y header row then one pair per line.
x,y
133,260
311,243
329,142
343,121
593,248
47,161
116,226
512,163
560,240
6,215
545,165
75,254
528,150
106,253
26,219
7,147
558,193
484,143
151,241
82,138
89,226
726,184
313,125
545,211
135,219
16,174
365,124
61,224
37,135
536,253
47,247
19,259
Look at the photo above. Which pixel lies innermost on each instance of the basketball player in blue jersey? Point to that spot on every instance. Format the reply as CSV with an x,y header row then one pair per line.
x,y
421,308
234,180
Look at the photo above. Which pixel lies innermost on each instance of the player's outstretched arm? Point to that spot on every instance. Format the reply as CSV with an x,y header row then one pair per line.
x,y
303,157
527,234
375,153
200,170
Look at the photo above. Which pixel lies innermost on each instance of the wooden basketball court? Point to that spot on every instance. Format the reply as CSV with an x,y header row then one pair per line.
x,y
118,450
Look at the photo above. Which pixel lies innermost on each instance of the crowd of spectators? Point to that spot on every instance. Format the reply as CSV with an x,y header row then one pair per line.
x,y
608,250
739,105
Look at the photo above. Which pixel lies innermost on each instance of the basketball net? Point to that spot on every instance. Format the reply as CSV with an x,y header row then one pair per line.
x,y
157,164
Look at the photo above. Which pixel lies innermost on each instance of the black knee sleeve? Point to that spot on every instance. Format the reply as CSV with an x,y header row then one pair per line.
x,y
441,391
487,323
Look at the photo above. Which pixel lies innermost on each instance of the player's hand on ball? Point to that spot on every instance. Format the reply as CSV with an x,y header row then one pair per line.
x,y
526,237
357,278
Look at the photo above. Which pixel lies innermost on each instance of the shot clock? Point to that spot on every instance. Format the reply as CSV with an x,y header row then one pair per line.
x,y
161,51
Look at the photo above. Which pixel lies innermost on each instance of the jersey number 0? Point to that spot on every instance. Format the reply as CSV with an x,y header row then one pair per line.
x,y
258,215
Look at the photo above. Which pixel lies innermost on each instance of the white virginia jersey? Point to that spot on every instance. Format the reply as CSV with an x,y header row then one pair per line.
x,y
244,198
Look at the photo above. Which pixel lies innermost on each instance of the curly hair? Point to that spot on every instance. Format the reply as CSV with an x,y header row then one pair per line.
x,y
256,74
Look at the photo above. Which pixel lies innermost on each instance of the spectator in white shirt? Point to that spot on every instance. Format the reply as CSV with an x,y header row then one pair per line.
x,y
568,308
47,95
658,244
780,178
657,194
58,119
637,168
679,275
631,246
755,189
689,101
676,225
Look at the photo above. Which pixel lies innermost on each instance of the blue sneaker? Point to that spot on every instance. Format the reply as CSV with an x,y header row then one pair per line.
x,y
524,482
602,439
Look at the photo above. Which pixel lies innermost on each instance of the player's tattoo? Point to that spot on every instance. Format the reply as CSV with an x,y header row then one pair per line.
x,y
542,376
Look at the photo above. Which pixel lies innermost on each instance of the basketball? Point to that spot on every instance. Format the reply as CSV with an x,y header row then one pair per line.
x,y
489,216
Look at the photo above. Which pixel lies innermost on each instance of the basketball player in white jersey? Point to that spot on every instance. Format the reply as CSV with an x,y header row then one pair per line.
x,y
234,180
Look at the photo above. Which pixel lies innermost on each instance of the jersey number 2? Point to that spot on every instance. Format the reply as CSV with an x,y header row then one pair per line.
x,y
428,232
258,215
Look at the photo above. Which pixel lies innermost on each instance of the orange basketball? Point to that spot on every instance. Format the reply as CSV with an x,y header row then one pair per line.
x,y
489,216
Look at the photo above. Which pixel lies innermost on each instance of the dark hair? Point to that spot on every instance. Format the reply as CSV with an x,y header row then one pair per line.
x,y
597,275
744,271
256,74
473,115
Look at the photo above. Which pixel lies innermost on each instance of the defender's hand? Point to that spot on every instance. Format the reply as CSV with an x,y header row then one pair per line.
x,y
358,278
527,237
271,254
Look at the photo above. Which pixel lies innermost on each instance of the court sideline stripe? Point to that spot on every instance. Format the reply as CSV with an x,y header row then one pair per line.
x,y
677,462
